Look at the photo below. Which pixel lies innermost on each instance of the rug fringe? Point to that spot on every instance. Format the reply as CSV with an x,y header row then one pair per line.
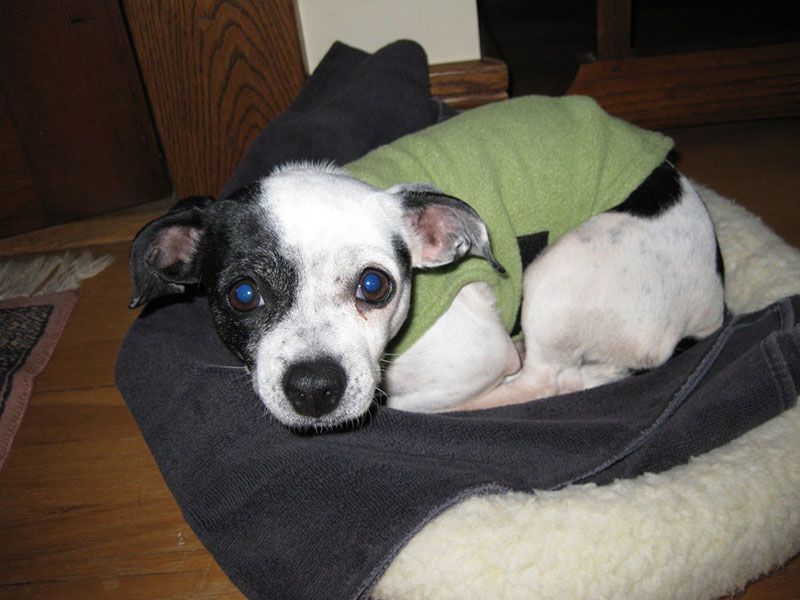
x,y
47,274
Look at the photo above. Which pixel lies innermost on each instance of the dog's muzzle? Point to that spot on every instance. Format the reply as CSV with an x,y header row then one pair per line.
x,y
315,387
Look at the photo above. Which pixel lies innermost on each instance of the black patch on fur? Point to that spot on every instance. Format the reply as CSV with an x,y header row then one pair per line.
x,y
241,243
152,278
200,202
247,193
413,198
655,195
403,256
530,246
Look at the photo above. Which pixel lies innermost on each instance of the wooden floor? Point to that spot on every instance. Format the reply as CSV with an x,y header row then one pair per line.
x,y
84,513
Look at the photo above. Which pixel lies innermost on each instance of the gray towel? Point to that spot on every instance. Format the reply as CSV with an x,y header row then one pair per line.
x,y
321,516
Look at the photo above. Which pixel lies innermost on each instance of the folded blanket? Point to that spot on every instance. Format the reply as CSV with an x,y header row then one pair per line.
x,y
354,102
322,516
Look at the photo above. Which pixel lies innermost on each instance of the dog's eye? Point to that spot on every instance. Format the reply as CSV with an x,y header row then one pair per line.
x,y
244,295
374,287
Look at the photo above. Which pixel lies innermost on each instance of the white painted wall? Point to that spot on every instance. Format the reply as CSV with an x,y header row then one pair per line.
x,y
447,29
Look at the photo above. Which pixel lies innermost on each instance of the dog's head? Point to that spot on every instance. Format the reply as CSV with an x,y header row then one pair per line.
x,y
308,276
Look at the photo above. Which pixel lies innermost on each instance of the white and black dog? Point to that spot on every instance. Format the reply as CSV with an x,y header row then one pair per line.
x,y
308,275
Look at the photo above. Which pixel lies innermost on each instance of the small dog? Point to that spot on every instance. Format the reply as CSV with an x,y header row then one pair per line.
x,y
308,274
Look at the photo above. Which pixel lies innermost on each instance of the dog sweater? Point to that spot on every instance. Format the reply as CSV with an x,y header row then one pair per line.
x,y
529,165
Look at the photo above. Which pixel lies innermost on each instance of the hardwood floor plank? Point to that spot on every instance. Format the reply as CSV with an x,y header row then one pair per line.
x,y
90,501
755,163
108,229
64,422
87,351
205,584
783,584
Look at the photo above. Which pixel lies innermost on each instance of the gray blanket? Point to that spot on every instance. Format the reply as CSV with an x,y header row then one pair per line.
x,y
321,516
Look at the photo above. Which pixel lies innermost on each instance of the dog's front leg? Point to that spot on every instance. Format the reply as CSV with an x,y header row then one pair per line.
x,y
464,354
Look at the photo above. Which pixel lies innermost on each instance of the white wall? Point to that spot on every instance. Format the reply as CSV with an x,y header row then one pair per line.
x,y
447,29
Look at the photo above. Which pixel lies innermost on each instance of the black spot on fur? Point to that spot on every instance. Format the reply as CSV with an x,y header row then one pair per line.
x,y
240,243
247,193
403,255
655,195
530,246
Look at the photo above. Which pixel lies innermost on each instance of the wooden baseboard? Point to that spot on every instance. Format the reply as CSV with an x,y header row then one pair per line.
x,y
698,88
471,83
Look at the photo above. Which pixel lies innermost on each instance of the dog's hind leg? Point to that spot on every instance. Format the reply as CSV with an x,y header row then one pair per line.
x,y
542,379
541,376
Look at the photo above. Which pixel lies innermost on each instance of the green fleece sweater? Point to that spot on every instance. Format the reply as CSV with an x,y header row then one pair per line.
x,y
526,165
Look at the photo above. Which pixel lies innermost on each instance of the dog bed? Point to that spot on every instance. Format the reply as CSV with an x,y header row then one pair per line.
x,y
700,530
427,506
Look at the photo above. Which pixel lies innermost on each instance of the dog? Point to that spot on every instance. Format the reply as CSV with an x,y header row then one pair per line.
x,y
308,274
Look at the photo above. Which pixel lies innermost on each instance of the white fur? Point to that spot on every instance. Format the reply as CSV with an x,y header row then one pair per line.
x,y
343,227
615,294
469,333
702,530
618,293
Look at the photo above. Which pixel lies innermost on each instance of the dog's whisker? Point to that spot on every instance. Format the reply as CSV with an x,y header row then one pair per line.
x,y
390,356
230,367
241,377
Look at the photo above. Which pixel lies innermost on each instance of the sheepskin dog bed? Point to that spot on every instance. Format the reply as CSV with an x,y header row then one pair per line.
x,y
289,516
700,530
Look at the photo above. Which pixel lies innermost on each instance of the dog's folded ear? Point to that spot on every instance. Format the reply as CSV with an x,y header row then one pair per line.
x,y
443,228
163,257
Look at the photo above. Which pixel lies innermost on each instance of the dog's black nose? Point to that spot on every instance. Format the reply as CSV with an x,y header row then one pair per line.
x,y
314,387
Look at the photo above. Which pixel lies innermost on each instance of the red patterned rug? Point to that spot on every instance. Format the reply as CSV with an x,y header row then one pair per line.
x,y
40,296
29,331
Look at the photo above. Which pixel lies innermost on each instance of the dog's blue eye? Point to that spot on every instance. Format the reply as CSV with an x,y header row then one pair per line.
x,y
374,287
244,295
371,282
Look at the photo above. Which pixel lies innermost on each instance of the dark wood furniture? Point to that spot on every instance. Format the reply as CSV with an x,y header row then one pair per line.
x,y
216,72
692,88
76,137
104,105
